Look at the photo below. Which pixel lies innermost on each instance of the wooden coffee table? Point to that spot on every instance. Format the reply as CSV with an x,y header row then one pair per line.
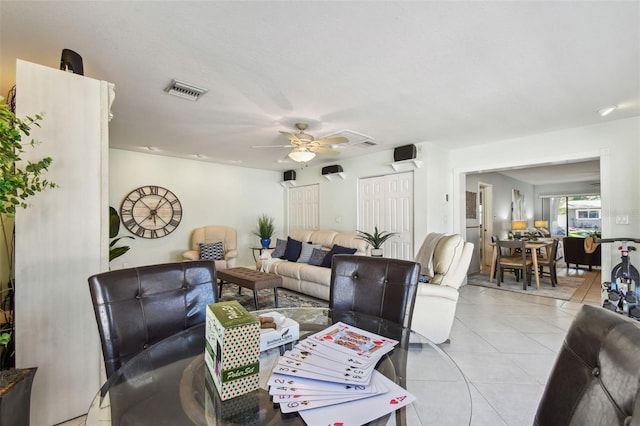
x,y
251,279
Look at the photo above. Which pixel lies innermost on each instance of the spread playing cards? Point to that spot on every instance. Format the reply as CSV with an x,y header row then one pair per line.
x,y
330,378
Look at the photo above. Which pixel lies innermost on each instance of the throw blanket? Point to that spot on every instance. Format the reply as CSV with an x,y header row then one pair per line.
x,y
589,245
268,262
425,254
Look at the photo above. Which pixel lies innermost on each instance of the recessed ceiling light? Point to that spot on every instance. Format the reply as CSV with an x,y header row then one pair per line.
x,y
604,111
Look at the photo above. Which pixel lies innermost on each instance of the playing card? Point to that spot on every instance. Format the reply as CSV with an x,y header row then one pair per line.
x,y
359,412
324,362
303,404
296,372
346,358
352,340
279,380
338,371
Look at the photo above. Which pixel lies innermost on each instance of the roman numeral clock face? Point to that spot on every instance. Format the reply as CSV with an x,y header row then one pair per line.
x,y
151,211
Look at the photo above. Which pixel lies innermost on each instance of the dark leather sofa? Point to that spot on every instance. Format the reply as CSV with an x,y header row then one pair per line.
x,y
138,307
574,253
596,377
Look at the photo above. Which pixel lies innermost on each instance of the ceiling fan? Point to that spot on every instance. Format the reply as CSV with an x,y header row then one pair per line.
x,y
305,147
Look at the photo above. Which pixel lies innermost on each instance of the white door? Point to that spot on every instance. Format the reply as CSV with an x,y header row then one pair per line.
x,y
486,249
304,207
387,202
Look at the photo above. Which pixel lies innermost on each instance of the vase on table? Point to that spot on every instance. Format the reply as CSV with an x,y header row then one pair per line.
x,y
376,252
265,242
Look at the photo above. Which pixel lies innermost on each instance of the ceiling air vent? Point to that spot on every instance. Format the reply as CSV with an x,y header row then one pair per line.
x,y
355,139
185,90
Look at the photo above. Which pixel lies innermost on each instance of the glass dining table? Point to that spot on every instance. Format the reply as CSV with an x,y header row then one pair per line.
x,y
165,384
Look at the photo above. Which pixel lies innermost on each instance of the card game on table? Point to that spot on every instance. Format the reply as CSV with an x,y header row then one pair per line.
x,y
330,378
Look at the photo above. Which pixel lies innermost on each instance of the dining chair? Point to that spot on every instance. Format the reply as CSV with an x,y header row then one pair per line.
x,y
137,307
377,286
520,262
549,262
596,376
381,287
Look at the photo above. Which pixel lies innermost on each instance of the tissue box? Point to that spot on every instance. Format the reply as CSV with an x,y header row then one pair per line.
x,y
232,348
288,331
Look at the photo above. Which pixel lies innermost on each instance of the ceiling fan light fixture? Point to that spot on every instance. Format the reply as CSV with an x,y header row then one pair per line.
x,y
301,155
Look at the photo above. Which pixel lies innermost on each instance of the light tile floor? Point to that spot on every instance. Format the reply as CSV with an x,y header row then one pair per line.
x,y
505,344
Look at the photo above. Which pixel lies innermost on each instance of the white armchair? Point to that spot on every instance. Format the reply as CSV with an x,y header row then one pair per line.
x,y
214,234
445,261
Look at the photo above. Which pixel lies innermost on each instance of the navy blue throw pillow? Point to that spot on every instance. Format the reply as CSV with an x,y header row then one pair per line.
x,y
336,249
294,247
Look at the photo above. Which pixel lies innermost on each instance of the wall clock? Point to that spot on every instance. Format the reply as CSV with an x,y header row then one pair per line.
x,y
151,211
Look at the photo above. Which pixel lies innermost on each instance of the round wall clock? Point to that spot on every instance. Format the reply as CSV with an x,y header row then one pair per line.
x,y
151,211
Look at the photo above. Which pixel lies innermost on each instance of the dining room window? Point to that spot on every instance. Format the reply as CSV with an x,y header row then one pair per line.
x,y
573,215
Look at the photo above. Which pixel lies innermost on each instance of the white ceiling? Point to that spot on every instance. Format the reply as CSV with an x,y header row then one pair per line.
x,y
449,73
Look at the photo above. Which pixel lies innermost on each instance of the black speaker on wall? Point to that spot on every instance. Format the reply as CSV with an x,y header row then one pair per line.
x,y
289,175
72,62
405,152
329,170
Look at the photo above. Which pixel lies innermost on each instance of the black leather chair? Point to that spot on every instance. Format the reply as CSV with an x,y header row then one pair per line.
x,y
138,307
377,286
596,376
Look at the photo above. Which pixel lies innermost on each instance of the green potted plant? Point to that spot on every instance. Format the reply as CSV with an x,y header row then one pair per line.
x,y
265,230
375,240
114,229
18,181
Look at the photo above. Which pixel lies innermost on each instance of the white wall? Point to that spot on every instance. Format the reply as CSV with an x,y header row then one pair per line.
x,y
617,143
210,194
338,198
218,194
61,240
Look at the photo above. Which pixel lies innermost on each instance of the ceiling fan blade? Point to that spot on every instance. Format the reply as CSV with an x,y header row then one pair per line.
x,y
323,151
332,141
293,138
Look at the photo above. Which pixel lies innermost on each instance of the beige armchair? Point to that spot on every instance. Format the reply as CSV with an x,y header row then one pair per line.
x,y
444,260
215,234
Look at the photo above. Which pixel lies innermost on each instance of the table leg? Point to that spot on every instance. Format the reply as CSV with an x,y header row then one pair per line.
x,y
494,256
275,295
535,269
255,299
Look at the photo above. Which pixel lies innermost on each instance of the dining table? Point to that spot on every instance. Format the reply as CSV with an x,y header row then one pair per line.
x,y
166,383
534,246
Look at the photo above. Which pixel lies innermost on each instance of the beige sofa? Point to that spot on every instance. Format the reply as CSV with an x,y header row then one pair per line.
x,y
302,277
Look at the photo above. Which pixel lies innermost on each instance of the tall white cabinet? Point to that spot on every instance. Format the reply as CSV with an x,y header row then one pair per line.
x,y
62,239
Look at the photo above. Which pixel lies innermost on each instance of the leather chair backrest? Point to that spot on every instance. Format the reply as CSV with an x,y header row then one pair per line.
x,y
138,307
376,286
596,376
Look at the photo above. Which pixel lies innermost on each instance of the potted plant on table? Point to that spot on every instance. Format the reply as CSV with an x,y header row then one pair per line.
x,y
375,240
18,180
265,230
